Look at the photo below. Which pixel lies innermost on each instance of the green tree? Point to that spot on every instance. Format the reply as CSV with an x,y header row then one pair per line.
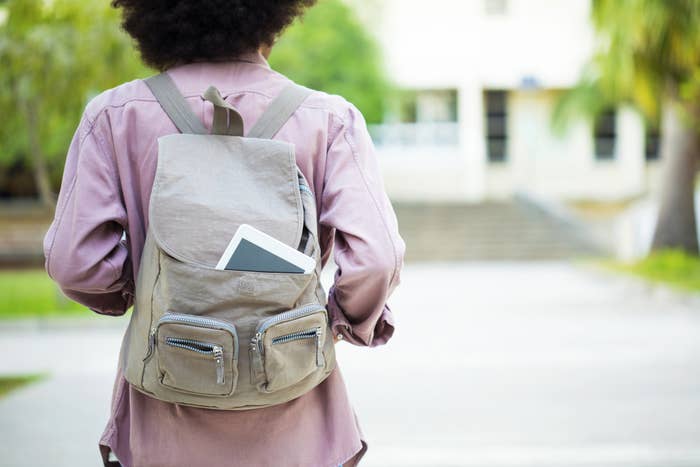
x,y
331,51
649,56
55,56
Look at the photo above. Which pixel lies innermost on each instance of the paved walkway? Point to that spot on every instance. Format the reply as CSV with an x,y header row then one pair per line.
x,y
492,365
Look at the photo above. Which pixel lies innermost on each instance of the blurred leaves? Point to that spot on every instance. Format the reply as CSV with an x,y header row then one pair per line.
x,y
55,56
647,50
58,54
9,383
331,51
31,293
673,267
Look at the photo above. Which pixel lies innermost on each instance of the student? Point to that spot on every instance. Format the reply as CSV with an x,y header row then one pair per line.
x,y
94,244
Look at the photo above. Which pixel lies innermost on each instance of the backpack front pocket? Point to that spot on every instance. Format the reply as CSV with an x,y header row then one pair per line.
x,y
197,354
288,347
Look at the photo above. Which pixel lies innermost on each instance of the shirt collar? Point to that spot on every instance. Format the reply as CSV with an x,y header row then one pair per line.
x,y
194,77
254,57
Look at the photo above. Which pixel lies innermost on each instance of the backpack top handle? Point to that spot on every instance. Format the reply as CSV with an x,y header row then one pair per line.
x,y
227,120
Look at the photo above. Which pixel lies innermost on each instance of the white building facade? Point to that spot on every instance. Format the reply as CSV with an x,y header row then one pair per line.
x,y
479,81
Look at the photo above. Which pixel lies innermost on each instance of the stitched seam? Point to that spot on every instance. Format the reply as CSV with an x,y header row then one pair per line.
x,y
325,167
59,217
224,93
192,125
376,206
101,144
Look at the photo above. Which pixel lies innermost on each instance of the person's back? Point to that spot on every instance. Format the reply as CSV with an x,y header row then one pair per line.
x,y
106,191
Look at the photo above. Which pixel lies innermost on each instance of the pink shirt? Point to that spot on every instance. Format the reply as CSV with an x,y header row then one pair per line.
x,y
106,187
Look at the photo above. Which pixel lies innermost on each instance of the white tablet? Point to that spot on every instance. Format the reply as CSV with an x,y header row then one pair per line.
x,y
253,250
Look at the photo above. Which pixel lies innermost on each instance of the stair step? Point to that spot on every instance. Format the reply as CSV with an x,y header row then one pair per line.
x,y
492,230
442,232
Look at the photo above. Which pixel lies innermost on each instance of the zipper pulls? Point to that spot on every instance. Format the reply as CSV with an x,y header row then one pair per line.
x,y
219,356
257,341
319,353
151,343
255,351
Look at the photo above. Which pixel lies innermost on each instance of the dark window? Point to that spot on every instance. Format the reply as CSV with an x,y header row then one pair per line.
x,y
408,107
496,103
652,144
605,135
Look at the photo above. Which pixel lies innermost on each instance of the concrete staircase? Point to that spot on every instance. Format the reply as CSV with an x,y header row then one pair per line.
x,y
23,225
509,230
513,230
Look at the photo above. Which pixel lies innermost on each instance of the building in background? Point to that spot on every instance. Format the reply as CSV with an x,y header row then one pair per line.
x,y
478,82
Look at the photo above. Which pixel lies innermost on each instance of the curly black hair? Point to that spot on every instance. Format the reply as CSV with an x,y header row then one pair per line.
x,y
173,32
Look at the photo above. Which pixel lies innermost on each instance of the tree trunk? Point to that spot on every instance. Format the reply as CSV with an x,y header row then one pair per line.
x,y
41,173
680,149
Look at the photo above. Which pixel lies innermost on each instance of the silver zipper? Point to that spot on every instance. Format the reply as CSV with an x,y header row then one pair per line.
x,y
201,321
287,315
295,336
305,334
204,348
219,356
191,344
211,323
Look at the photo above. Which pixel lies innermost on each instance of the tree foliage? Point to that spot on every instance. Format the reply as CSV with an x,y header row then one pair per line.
x,y
331,51
55,56
648,56
647,51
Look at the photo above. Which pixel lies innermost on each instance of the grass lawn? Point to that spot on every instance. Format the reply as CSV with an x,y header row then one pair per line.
x,y
673,268
10,383
31,293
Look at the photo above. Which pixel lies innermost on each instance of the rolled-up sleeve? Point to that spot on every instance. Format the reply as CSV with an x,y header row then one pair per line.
x,y
368,249
86,251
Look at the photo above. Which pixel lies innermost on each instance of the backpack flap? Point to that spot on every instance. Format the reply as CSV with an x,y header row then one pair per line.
x,y
206,186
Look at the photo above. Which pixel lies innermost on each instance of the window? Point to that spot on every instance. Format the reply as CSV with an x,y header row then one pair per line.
x,y
495,7
652,144
605,135
437,106
420,117
496,104
427,106
407,104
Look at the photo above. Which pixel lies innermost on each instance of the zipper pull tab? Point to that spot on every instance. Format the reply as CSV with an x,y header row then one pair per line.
x,y
219,355
255,354
151,343
319,352
258,342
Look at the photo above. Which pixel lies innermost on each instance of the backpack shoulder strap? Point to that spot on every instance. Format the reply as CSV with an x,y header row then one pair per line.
x,y
174,104
279,111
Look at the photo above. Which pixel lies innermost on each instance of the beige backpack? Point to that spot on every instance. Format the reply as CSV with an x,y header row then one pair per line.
x,y
226,339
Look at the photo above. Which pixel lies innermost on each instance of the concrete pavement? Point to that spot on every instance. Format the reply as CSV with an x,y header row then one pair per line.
x,y
492,365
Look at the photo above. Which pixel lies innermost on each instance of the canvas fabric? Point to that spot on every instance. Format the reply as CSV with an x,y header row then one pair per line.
x,y
226,339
